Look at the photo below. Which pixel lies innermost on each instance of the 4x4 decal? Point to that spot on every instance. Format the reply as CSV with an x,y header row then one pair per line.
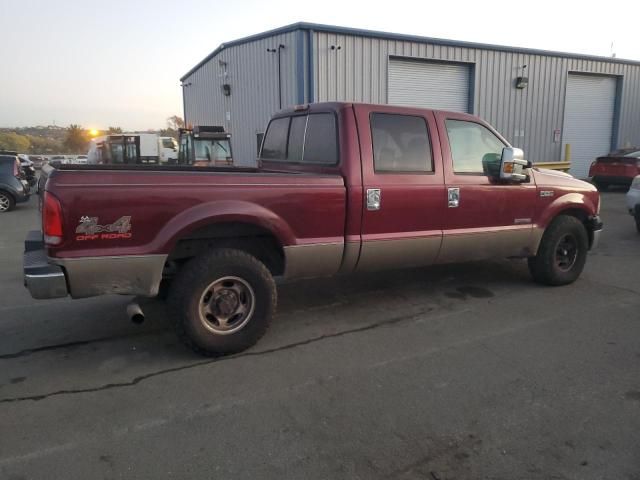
x,y
89,229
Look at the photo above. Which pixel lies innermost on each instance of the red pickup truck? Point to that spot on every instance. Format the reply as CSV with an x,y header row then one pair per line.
x,y
340,188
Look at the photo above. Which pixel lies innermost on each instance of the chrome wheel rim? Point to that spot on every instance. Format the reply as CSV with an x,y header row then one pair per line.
x,y
566,252
226,305
4,203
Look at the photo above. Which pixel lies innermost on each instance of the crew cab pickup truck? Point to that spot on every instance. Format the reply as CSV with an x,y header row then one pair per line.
x,y
340,188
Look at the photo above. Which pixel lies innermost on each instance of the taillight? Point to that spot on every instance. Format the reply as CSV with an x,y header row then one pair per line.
x,y
638,164
52,220
16,168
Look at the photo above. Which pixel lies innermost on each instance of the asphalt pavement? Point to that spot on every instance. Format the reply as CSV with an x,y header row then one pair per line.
x,y
456,372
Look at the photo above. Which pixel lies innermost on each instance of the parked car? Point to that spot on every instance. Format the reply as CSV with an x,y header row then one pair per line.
x,y
617,168
633,200
57,160
13,186
341,188
80,160
29,170
38,160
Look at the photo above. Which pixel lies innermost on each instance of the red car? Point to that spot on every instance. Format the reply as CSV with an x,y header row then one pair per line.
x,y
617,168
341,188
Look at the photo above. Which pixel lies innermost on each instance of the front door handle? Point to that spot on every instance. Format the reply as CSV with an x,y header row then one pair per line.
x,y
453,195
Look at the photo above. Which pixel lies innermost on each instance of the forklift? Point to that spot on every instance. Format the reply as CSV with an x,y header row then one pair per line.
x,y
205,146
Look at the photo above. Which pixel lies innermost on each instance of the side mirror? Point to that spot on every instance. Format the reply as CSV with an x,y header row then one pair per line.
x,y
513,164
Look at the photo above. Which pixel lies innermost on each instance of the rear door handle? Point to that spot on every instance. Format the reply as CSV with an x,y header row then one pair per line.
x,y
453,195
374,199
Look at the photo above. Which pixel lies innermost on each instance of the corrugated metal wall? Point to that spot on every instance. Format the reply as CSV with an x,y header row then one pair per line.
x,y
358,72
252,73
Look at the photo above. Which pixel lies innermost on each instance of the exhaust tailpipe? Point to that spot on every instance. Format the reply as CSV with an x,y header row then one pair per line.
x,y
135,313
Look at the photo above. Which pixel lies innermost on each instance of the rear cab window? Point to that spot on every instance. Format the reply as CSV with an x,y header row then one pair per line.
x,y
309,139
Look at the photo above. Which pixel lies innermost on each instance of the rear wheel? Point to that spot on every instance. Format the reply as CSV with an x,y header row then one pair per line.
x,y
222,302
6,202
562,252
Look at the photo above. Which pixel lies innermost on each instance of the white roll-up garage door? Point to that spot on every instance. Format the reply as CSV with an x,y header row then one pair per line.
x,y
588,119
440,86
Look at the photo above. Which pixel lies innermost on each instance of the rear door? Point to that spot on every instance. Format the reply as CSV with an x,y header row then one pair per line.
x,y
484,217
403,186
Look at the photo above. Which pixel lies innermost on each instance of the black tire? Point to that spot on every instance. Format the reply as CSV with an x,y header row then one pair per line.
x,y
601,186
7,202
637,217
241,280
164,289
556,263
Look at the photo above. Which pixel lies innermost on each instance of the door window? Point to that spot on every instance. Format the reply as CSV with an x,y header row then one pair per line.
x,y
117,153
474,148
400,143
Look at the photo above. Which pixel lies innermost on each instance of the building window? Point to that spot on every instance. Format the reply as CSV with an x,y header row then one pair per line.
x,y
400,143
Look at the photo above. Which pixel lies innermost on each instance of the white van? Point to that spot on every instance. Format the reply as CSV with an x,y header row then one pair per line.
x,y
133,148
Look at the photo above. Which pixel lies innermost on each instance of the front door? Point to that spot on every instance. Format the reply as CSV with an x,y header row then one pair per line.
x,y
403,183
485,217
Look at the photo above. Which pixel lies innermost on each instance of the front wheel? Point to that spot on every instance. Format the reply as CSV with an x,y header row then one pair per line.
x,y
222,302
562,252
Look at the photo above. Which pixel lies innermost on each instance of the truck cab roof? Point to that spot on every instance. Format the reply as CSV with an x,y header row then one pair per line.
x,y
338,106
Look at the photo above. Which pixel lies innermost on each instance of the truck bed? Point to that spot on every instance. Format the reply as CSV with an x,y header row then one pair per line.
x,y
165,203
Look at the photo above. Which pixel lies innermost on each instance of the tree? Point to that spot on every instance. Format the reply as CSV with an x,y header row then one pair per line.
x,y
44,145
114,130
76,140
14,142
175,123
169,132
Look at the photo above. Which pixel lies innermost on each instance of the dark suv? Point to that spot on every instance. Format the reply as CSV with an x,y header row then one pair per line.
x,y
13,187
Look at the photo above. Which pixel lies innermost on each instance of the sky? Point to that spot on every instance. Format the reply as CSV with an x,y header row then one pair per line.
x,y
118,63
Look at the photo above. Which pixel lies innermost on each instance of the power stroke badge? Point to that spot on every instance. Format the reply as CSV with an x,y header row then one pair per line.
x,y
90,229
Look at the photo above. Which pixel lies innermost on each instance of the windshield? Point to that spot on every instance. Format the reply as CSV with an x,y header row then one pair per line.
x,y
212,151
169,143
633,154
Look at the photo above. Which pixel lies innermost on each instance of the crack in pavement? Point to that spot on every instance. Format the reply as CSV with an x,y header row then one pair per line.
x,y
289,346
76,343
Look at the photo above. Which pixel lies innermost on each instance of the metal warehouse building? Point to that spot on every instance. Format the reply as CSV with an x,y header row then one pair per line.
x,y
539,100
